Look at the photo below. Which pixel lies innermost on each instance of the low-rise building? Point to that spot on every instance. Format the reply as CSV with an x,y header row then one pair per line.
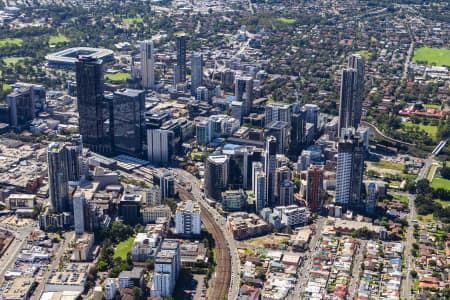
x,y
151,214
17,289
130,279
293,215
145,246
243,225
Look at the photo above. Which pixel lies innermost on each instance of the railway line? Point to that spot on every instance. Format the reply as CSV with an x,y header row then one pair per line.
x,y
221,283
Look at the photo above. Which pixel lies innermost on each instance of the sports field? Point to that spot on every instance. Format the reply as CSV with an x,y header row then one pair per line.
x,y
10,41
432,56
117,76
58,39
429,129
287,21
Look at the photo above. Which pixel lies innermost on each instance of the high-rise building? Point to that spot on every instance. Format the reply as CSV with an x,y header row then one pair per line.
x,y
94,111
352,92
260,190
281,131
312,115
188,218
129,121
244,93
286,192
314,189
204,133
216,176
196,72
202,93
147,64
298,130
167,185
181,57
79,206
371,198
160,146
350,170
21,106
74,162
38,94
277,112
58,177
270,165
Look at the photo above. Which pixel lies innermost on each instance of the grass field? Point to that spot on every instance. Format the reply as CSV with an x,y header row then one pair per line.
x,y
403,199
427,218
387,164
440,183
11,41
58,39
7,87
444,204
429,129
129,21
287,21
432,172
435,106
12,60
432,56
117,76
365,54
123,248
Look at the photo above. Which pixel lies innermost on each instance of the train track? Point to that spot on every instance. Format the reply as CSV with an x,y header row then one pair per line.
x,y
222,279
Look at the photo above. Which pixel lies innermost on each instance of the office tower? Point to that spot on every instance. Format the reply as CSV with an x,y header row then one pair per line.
x,y
129,121
196,72
298,128
277,112
167,185
240,166
203,132
181,57
38,95
160,145
58,177
21,106
282,174
312,115
270,165
129,208
350,169
79,206
188,218
281,131
202,93
216,176
147,64
94,111
314,189
352,92
244,93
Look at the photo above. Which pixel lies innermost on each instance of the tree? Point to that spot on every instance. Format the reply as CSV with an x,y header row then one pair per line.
x,y
137,293
172,204
413,273
150,264
423,186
